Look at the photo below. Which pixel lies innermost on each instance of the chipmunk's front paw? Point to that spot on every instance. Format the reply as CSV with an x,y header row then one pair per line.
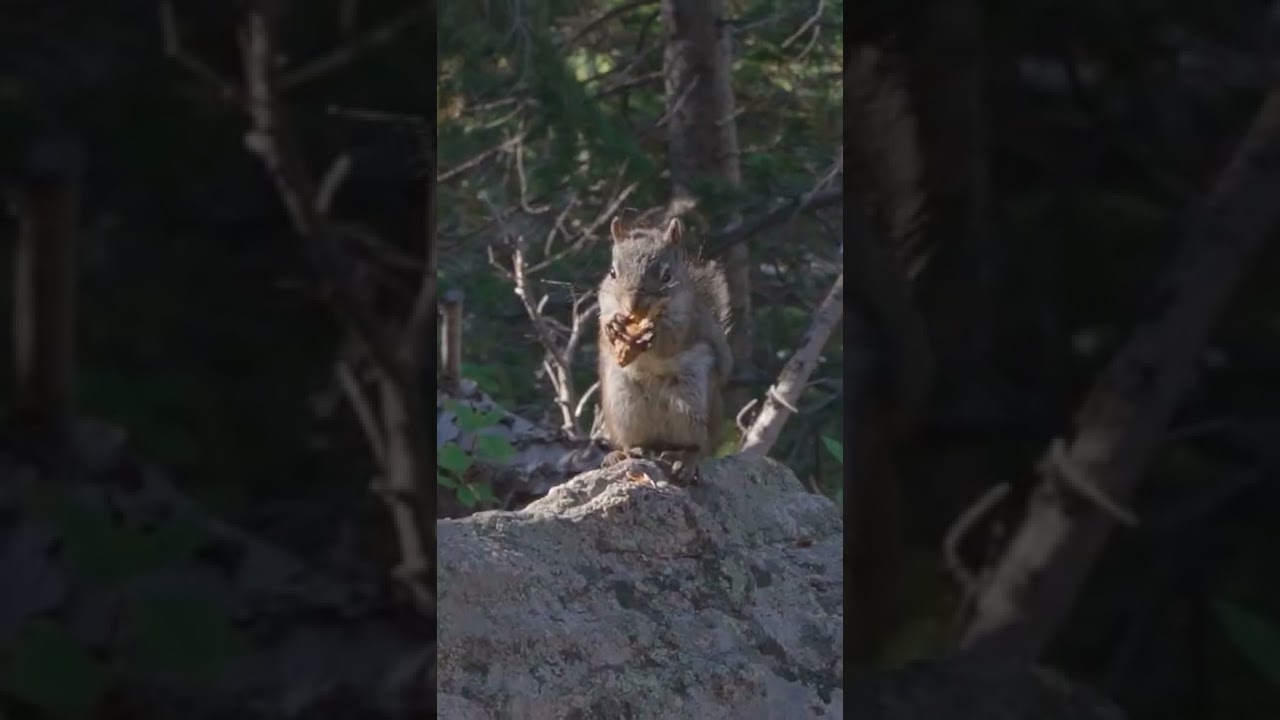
x,y
614,328
683,466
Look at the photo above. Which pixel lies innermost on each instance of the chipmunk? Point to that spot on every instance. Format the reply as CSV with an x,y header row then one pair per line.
x,y
664,350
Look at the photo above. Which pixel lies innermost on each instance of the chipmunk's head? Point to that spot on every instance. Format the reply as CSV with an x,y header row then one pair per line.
x,y
648,266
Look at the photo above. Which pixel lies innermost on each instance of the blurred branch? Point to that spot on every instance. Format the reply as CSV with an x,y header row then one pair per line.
x,y
171,40
1122,421
332,180
959,529
453,172
381,116
282,162
604,17
782,213
373,38
808,23
403,428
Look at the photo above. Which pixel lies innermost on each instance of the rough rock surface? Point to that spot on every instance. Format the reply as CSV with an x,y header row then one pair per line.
x,y
618,597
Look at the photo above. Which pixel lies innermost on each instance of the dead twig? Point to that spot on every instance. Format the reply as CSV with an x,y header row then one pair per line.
x,y
961,528
558,361
725,238
601,19
332,180
402,447
1123,419
586,397
808,23
364,412
337,58
1058,464
454,172
740,418
785,392
171,40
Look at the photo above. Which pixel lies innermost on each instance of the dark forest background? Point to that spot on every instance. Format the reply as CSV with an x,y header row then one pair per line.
x,y
1021,177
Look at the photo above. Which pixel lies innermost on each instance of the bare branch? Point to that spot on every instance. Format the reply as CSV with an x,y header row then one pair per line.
x,y
335,59
403,437
1077,479
741,418
582,403
171,39
737,232
295,189
809,23
332,180
364,413
961,527
1122,421
784,393
381,116
602,18
557,361
605,216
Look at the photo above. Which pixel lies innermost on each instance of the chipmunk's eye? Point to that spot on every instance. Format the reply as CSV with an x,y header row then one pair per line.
x,y
613,273
665,277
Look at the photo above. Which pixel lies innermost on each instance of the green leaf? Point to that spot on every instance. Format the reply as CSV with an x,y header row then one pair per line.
x,y
446,481
188,636
494,447
453,458
834,447
731,438
1253,635
484,493
467,496
47,668
469,420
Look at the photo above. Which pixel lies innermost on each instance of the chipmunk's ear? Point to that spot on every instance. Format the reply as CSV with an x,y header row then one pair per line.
x,y
618,230
673,232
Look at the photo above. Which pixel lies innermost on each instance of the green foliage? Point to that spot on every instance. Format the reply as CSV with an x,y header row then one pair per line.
x,y
835,447
731,439
453,461
45,667
184,635
1256,637
104,550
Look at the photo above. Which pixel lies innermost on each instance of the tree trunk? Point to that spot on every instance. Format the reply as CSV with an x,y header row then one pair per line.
x,y
46,202
703,136
893,369
946,86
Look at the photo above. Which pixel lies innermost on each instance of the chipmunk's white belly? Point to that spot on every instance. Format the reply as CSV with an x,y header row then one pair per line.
x,y
667,404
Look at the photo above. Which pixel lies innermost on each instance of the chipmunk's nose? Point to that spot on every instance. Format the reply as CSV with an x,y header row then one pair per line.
x,y
640,306
635,304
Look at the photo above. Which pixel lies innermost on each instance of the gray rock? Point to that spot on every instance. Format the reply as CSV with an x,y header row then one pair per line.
x,y
618,597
